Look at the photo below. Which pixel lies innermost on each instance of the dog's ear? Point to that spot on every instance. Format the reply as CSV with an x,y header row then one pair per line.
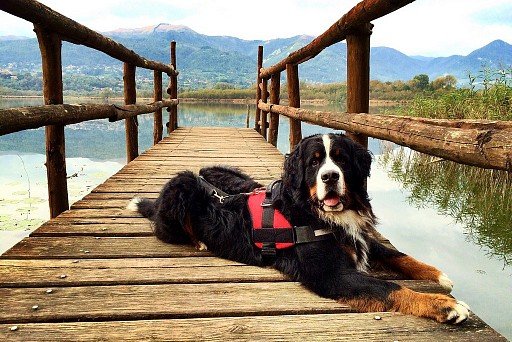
x,y
362,161
293,168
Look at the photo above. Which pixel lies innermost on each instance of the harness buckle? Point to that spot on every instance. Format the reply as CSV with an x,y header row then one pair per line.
x,y
219,197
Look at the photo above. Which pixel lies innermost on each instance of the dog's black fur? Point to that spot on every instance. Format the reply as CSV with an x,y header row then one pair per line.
x,y
333,268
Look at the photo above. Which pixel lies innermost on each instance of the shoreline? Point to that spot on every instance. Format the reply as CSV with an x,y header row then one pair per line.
x,y
313,102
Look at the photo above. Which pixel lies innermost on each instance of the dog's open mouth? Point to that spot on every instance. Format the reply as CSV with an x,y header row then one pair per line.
x,y
332,201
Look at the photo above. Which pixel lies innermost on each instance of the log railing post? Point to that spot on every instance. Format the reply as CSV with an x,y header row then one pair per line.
x,y
358,75
258,89
157,120
292,79
264,98
173,92
130,97
273,127
50,45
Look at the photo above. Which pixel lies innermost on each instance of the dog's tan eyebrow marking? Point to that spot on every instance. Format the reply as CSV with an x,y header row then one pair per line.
x,y
317,154
337,152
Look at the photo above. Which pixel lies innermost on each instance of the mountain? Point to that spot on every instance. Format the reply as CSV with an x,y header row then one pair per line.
x,y
11,37
206,60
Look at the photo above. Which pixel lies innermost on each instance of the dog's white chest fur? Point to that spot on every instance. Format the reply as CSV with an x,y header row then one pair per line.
x,y
352,223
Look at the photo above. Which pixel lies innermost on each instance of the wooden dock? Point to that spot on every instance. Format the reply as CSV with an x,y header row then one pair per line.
x,y
95,272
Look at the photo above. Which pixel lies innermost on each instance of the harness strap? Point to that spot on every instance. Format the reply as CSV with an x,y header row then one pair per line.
x,y
304,234
267,232
213,190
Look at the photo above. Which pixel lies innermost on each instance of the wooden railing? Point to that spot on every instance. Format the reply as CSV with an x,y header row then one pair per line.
x,y
51,29
482,143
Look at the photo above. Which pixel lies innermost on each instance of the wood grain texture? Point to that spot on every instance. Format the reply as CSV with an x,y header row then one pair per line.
x,y
479,145
158,301
131,124
84,272
50,45
314,327
89,247
358,75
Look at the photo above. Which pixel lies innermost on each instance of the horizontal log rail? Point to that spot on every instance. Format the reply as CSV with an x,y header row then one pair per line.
x,y
361,14
22,118
76,33
487,144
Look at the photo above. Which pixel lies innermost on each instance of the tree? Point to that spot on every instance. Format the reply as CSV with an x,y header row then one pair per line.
x,y
421,82
444,82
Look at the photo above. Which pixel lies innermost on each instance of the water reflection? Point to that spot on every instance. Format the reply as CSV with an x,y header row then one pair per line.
x,y
481,200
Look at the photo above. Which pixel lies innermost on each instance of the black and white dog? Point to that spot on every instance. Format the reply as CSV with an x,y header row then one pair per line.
x,y
323,189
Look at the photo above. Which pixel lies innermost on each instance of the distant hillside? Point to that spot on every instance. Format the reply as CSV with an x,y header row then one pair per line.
x,y
206,60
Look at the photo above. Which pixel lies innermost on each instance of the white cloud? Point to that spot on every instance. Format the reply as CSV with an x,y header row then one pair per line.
x,y
428,27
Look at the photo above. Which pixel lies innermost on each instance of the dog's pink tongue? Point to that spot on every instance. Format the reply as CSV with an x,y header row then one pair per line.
x,y
331,200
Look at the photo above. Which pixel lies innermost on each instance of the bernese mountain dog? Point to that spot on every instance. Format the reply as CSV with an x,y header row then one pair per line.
x,y
322,191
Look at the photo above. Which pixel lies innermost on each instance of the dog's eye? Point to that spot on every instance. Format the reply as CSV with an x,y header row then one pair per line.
x,y
314,162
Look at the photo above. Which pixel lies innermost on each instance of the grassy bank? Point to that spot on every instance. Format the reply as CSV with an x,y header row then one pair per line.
x,y
488,97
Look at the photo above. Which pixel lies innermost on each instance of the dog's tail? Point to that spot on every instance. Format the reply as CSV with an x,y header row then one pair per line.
x,y
144,206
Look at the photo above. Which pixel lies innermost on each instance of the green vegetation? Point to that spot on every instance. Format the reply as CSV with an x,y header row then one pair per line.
x,y
488,97
480,199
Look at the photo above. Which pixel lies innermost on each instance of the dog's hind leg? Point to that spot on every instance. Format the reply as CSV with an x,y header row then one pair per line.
x,y
180,199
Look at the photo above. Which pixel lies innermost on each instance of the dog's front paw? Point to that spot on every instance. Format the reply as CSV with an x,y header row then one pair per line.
x,y
445,309
439,307
445,282
458,314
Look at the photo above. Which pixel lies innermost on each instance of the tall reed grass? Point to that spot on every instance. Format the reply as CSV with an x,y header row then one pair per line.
x,y
489,96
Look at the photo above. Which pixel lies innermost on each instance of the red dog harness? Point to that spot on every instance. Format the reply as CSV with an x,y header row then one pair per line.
x,y
271,230
268,224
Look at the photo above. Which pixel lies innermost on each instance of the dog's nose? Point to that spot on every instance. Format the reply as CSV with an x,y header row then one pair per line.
x,y
330,177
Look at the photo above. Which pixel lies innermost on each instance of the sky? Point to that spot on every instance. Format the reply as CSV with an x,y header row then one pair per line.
x,y
425,27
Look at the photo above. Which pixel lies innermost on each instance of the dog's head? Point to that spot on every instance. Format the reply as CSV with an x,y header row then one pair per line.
x,y
329,171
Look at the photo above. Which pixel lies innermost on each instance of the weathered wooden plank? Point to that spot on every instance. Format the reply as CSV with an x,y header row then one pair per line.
x,y
96,273
103,212
115,195
88,247
94,229
99,220
102,204
135,263
160,301
319,327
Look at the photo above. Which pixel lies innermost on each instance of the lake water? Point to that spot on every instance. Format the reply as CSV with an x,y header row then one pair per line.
x,y
476,257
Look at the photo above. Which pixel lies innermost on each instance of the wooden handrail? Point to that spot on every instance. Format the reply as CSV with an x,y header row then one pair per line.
x,y
51,28
485,145
76,33
361,14
22,118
